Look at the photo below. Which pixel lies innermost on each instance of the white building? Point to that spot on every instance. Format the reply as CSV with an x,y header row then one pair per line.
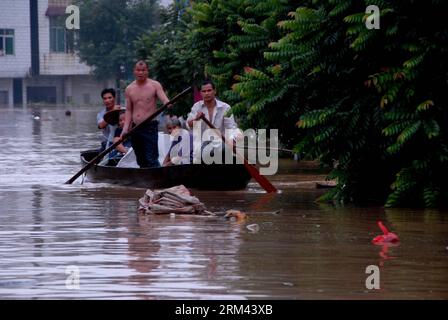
x,y
37,62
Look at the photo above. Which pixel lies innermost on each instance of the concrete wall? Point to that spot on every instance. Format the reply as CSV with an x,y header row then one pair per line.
x,y
56,63
63,71
16,15
61,3
77,90
62,64
6,89
86,87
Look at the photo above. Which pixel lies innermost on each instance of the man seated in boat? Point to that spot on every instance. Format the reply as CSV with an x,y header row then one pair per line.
x,y
216,112
108,96
120,150
181,149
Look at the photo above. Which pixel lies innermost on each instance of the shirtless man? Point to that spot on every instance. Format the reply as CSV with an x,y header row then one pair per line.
x,y
141,98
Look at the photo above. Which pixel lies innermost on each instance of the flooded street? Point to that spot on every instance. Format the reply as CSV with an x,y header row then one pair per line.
x,y
307,251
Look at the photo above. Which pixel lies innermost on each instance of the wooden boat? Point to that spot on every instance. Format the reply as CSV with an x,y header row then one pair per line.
x,y
197,176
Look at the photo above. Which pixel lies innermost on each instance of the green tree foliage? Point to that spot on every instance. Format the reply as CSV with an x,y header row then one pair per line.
x,y
369,103
235,34
108,31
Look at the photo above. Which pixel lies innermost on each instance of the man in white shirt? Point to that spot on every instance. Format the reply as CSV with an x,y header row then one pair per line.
x,y
216,112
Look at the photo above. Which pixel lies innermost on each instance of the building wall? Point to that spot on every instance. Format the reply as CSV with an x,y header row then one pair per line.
x,y
86,90
76,90
62,3
61,72
45,81
56,63
6,92
62,64
16,15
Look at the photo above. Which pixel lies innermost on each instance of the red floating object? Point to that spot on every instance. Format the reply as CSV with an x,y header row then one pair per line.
x,y
387,237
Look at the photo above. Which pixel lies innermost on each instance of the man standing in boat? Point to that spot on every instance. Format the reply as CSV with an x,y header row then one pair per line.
x,y
108,96
141,97
216,112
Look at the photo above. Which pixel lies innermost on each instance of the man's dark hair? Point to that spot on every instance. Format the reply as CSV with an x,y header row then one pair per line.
x,y
174,123
108,90
140,62
205,82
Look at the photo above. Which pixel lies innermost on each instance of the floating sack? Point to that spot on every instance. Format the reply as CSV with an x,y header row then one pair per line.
x,y
173,200
386,237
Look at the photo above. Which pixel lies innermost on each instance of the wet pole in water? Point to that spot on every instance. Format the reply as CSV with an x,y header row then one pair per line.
x,y
127,135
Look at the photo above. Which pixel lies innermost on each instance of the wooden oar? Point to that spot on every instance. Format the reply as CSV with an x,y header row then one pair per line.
x,y
253,171
272,149
127,135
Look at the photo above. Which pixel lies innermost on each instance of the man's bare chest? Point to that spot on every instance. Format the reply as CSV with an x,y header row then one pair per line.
x,y
143,96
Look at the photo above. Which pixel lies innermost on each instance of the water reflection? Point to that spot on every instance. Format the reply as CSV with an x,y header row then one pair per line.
x,y
307,251
384,253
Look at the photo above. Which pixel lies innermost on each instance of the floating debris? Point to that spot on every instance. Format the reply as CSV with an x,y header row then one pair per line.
x,y
386,237
253,227
171,201
237,215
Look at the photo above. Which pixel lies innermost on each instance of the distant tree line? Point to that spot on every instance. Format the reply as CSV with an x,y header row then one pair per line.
x,y
108,31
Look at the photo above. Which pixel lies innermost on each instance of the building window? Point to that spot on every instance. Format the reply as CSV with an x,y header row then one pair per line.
x,y
61,39
6,42
86,98
4,98
41,94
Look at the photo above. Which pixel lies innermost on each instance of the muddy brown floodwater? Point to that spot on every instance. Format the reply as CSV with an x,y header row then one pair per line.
x,y
49,230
